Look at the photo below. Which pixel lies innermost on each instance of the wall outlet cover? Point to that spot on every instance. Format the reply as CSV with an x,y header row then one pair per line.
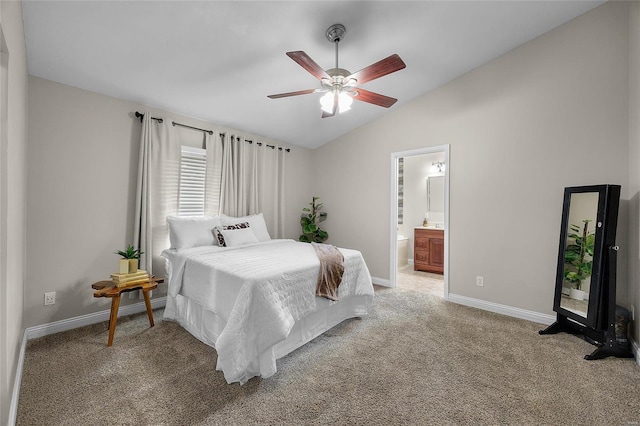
x,y
50,298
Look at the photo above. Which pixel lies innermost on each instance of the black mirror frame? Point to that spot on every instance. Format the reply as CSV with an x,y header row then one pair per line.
x,y
605,234
601,326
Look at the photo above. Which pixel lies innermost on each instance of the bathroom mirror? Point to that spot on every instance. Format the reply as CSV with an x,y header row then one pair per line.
x,y
589,219
435,193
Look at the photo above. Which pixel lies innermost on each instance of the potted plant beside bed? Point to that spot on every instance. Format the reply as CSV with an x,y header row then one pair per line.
x,y
130,259
311,232
578,258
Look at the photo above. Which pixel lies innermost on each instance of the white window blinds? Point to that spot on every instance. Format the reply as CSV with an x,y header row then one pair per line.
x,y
193,167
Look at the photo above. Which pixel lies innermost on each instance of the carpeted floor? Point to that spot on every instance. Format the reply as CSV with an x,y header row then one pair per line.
x,y
416,359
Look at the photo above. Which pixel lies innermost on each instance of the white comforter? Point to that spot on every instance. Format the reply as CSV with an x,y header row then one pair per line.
x,y
259,291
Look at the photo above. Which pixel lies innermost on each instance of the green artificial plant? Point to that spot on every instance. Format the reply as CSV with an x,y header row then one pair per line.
x,y
311,216
130,253
578,256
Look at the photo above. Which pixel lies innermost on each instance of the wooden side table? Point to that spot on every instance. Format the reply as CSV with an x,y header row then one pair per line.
x,y
109,289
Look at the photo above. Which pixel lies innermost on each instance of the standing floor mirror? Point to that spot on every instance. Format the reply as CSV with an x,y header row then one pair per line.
x,y
585,291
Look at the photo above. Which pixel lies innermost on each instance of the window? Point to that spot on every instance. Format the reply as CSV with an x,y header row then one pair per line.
x,y
193,169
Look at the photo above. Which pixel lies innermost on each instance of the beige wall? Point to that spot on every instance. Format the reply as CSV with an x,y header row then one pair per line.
x,y
82,159
634,164
549,114
13,129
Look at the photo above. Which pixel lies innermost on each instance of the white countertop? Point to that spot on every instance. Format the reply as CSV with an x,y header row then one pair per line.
x,y
435,227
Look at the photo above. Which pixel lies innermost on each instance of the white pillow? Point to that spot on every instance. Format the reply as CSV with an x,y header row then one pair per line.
x,y
186,232
256,222
238,237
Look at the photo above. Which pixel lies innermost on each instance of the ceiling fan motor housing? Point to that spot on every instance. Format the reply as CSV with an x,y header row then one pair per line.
x,y
339,80
338,72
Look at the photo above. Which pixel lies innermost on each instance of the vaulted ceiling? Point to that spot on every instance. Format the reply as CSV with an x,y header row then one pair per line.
x,y
217,61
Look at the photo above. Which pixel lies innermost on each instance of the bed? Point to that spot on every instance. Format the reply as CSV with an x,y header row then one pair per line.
x,y
254,301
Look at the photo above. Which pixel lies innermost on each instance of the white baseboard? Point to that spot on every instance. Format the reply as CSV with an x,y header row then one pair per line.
x,y
88,319
502,309
410,261
381,281
64,325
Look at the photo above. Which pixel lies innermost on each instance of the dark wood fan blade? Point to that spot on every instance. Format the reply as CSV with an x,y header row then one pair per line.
x,y
381,68
374,98
308,64
299,92
335,108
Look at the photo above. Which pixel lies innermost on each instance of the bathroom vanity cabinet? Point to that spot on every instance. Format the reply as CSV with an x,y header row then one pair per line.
x,y
428,250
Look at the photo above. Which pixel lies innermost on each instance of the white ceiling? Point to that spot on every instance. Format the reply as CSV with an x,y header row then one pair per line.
x,y
217,61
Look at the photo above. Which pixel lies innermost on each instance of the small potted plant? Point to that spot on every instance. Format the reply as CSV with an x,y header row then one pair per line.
x,y
578,258
311,232
130,258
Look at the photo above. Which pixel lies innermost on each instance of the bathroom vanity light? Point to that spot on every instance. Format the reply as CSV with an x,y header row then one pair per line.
x,y
439,165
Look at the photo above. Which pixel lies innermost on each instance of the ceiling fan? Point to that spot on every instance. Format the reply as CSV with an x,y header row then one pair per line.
x,y
340,85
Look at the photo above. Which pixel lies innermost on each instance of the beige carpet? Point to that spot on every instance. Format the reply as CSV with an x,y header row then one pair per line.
x,y
416,359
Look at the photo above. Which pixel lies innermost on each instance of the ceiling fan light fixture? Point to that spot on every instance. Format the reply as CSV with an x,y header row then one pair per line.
x,y
344,102
326,102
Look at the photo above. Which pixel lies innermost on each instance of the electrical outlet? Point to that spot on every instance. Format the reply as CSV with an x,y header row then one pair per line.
x,y
480,281
50,298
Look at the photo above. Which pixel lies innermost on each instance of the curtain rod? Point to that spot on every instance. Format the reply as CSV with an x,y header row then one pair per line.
x,y
270,146
160,120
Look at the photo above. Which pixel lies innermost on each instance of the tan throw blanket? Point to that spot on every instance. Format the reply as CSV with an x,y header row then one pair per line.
x,y
331,270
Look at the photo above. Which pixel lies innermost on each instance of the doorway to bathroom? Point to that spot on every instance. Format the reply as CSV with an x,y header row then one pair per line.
x,y
419,208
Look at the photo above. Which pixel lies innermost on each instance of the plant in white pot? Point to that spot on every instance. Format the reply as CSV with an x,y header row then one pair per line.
x,y
130,259
578,258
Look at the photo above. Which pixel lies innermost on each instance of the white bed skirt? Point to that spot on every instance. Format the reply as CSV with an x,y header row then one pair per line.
x,y
206,326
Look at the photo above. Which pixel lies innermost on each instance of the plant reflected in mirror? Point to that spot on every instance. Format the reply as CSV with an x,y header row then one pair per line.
x,y
578,255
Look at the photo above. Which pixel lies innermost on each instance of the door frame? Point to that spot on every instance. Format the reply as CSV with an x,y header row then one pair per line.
x,y
393,261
